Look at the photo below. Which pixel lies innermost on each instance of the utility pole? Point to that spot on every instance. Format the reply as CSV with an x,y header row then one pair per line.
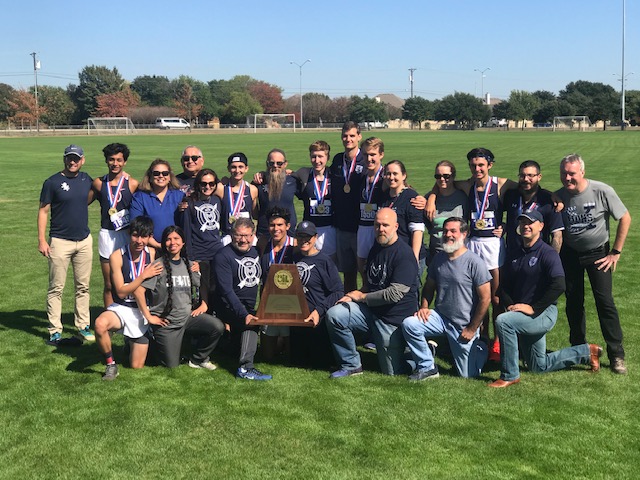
x,y
622,77
411,70
36,67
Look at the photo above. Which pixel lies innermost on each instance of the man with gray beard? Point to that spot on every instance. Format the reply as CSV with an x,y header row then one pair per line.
x,y
277,190
462,282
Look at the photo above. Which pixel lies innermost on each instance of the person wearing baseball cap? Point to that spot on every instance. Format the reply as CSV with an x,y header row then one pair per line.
x,y
240,198
66,196
531,280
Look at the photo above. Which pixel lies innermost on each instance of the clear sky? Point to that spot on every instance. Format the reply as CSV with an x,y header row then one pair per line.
x,y
355,48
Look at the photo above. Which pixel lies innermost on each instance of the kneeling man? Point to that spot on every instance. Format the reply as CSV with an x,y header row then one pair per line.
x,y
392,294
462,283
129,266
531,281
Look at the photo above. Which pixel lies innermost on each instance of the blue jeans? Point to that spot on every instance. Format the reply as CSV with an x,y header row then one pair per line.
x,y
469,357
346,320
532,332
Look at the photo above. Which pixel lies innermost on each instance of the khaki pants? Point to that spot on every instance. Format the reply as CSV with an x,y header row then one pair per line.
x,y
80,254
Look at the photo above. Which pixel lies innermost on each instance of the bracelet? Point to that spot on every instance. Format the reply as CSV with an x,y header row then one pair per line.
x,y
613,251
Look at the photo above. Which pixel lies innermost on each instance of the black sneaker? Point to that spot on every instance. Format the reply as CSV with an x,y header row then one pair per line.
x,y
111,372
420,375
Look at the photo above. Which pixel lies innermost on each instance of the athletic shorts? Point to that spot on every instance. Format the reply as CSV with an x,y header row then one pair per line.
x,y
347,248
133,323
276,331
327,240
109,241
366,239
490,249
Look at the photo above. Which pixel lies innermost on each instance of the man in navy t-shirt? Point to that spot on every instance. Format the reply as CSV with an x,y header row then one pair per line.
x,y
392,295
531,280
66,196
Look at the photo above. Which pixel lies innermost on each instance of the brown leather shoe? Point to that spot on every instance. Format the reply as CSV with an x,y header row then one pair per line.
x,y
595,352
503,383
618,366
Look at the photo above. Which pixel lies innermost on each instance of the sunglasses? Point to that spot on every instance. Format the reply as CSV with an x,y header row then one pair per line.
x,y
276,164
207,184
193,158
438,176
157,173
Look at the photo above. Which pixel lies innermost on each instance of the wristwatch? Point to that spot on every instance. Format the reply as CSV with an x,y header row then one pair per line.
x,y
613,251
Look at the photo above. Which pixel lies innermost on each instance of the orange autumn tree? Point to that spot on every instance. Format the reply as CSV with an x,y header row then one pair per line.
x,y
117,104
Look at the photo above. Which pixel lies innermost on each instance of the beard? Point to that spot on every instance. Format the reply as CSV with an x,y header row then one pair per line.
x,y
452,247
276,184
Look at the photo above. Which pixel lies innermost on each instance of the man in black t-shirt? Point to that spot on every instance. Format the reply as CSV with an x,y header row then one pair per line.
x,y
192,162
392,273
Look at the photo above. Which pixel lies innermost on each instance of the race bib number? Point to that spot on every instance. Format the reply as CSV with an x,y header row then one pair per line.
x,y
320,209
487,222
120,219
368,211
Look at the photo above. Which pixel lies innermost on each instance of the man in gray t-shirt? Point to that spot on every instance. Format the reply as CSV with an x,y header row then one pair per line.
x,y
588,205
461,281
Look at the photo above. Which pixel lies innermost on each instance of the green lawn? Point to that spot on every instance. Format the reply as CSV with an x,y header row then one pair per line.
x,y
60,420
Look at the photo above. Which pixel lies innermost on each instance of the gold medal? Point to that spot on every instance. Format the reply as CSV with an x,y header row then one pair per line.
x,y
112,211
481,224
347,188
232,219
368,207
320,208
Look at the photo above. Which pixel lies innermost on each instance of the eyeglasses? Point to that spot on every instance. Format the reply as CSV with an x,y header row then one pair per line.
x,y
157,173
528,175
239,237
193,158
276,164
207,184
438,176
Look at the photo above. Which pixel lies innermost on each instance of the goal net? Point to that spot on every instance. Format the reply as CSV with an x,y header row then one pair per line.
x,y
273,121
110,125
578,123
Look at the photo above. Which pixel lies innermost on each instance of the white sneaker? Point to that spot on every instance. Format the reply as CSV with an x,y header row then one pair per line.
x,y
207,365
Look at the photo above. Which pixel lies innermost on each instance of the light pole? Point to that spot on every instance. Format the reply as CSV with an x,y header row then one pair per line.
x,y
622,80
300,67
482,75
36,66
622,76
411,70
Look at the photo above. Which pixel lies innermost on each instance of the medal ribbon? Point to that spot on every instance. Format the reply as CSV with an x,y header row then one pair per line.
x,y
135,272
531,207
272,257
234,208
113,198
321,192
369,188
480,210
346,176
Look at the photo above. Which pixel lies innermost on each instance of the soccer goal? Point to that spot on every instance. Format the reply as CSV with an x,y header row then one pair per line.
x,y
276,121
110,125
579,123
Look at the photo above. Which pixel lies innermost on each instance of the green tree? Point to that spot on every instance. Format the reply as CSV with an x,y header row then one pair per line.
x,y
594,99
95,81
154,90
463,108
522,106
241,105
59,109
417,109
269,96
184,101
365,109
501,110
6,92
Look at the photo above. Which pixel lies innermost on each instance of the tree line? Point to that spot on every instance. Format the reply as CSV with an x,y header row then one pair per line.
x,y
102,91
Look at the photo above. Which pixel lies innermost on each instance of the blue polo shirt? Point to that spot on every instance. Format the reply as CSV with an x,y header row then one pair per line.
x,y
161,212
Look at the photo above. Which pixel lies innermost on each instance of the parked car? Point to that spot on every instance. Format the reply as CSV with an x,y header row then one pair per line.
x,y
370,125
495,122
166,123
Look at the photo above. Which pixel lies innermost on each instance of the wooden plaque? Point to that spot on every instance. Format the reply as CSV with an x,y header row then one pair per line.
x,y
282,301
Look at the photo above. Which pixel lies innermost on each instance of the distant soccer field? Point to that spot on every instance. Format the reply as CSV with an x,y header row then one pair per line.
x,y
61,421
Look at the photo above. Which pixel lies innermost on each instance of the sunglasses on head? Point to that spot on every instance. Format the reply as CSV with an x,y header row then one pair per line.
x,y
157,173
193,158
438,176
276,164
208,184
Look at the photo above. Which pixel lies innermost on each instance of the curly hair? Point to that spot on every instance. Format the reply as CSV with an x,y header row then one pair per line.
x,y
166,261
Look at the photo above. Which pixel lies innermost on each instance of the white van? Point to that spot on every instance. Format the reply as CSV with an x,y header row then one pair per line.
x,y
165,123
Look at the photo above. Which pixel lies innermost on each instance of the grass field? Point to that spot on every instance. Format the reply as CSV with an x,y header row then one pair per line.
x,y
59,420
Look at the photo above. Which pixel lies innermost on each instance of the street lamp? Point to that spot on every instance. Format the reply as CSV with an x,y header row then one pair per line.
x,y
300,67
622,79
36,67
482,75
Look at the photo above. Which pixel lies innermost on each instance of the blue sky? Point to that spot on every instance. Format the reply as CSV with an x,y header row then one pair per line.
x,y
361,48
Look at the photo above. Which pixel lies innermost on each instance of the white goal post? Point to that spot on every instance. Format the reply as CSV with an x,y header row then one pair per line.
x,y
580,123
281,121
110,125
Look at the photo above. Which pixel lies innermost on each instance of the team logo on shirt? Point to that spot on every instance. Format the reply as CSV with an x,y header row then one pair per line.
x,y
359,168
377,274
249,272
65,186
208,216
581,222
533,261
305,273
